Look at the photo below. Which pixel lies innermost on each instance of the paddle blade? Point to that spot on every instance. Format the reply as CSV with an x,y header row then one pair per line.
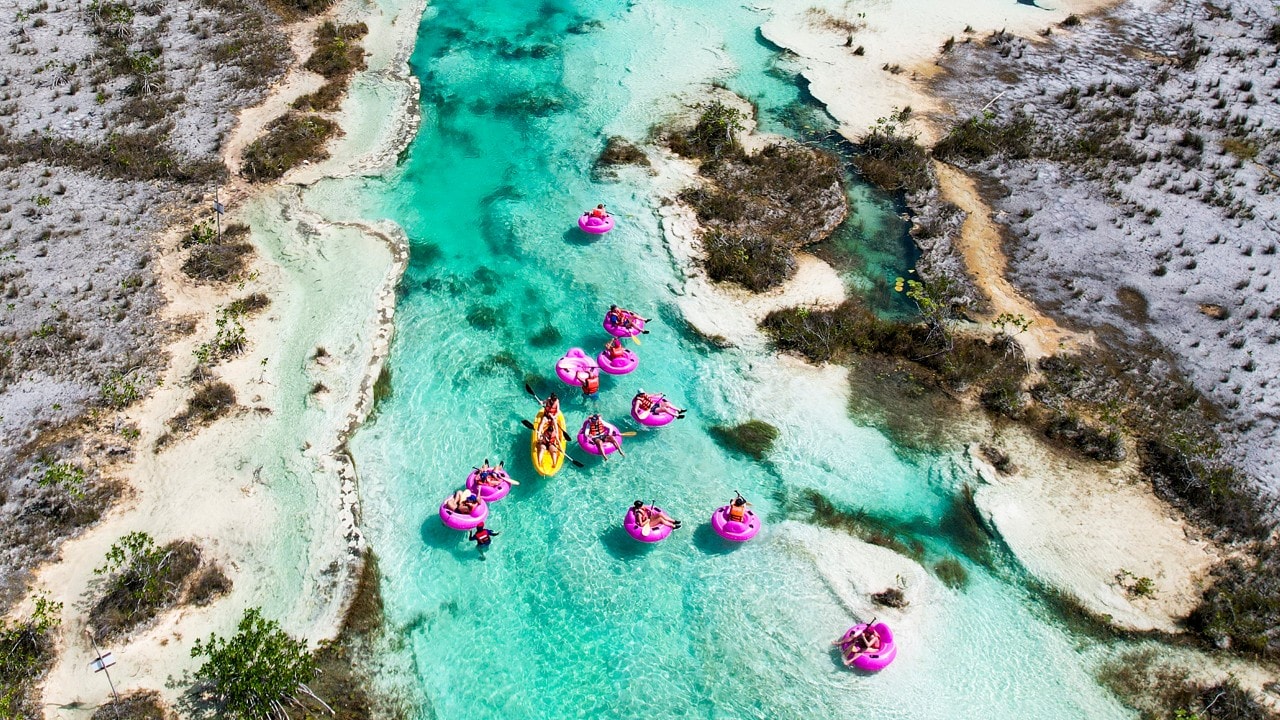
x,y
526,423
637,339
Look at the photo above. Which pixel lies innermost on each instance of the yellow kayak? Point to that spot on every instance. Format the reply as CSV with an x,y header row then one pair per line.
x,y
548,466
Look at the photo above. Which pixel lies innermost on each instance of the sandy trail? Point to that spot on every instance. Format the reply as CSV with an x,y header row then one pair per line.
x,y
981,245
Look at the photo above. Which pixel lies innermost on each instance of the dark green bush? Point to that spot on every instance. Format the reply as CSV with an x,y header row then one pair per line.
x,y
1159,690
1242,609
753,437
211,401
756,262
26,650
892,160
1090,441
290,140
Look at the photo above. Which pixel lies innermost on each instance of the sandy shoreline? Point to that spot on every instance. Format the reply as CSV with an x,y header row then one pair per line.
x,y
268,492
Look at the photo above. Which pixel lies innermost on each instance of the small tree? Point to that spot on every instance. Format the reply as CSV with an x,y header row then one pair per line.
x,y
255,673
136,566
24,650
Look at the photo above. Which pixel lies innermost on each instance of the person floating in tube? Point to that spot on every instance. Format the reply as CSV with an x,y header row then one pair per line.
x,y
599,212
492,475
613,349
655,404
738,508
649,518
599,435
863,642
622,318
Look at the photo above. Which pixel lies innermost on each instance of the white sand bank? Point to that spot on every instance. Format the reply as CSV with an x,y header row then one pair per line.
x,y
906,34
1077,524
267,491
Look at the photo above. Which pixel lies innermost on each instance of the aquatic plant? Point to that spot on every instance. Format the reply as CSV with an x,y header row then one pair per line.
x,y
620,151
753,437
951,573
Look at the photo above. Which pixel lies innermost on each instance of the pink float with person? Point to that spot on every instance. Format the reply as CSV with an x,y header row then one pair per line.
x,y
616,359
491,483
619,322
867,646
648,523
595,221
599,437
735,522
463,510
654,410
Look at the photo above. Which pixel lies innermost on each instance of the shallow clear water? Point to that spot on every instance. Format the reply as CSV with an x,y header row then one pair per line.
x,y
566,616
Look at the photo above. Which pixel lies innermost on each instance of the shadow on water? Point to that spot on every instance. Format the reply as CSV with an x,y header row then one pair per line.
x,y
435,535
708,542
574,236
622,546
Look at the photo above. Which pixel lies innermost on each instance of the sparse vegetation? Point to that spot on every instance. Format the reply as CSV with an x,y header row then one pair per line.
x,y
1160,690
891,158
210,401
981,137
27,651
141,579
290,140
620,151
139,705
753,438
215,259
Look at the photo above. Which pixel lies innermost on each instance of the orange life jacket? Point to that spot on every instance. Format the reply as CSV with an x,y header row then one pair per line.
x,y
483,536
591,384
737,512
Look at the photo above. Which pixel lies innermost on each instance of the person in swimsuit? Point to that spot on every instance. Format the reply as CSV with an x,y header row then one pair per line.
x,y
493,476
463,502
549,442
651,517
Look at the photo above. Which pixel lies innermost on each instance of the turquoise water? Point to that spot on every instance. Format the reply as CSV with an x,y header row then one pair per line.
x,y
566,616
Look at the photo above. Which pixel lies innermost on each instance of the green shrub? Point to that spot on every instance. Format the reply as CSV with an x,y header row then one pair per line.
x,y
891,160
255,673
141,580
290,140
1242,609
1159,690
26,650
714,135
756,262
753,437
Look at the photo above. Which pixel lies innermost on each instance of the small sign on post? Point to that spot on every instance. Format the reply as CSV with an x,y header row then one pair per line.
x,y
103,662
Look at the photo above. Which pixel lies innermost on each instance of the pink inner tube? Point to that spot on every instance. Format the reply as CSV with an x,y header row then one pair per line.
x,y
623,365
489,493
637,326
657,534
461,521
594,225
648,418
882,657
569,365
585,443
732,529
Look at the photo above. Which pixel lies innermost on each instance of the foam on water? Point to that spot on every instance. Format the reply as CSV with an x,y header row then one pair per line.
x,y
567,616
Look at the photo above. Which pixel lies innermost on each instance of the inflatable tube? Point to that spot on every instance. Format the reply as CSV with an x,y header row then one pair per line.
x,y
733,530
569,365
590,447
489,493
459,521
615,330
623,365
648,418
594,225
882,657
548,466
656,535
